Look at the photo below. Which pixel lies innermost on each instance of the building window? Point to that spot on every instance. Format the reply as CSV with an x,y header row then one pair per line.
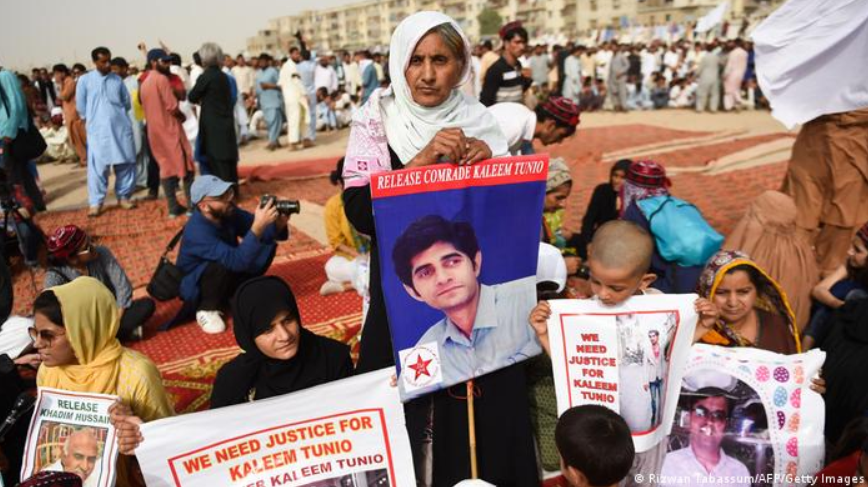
x,y
593,6
593,23
616,4
668,17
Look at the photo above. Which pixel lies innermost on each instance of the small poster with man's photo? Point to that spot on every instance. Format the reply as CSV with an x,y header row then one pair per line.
x,y
70,432
628,358
458,252
747,418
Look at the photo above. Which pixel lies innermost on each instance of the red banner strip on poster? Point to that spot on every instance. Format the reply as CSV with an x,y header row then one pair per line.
x,y
493,172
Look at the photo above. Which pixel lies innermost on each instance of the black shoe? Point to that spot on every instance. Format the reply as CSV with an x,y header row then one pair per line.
x,y
179,211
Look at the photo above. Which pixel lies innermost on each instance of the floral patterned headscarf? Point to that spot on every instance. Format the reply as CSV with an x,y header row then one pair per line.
x,y
770,296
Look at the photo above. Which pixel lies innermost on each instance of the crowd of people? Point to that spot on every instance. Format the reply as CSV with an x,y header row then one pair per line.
x,y
774,283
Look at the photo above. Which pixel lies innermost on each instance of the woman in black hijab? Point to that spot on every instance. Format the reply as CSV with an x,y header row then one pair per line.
x,y
280,356
604,205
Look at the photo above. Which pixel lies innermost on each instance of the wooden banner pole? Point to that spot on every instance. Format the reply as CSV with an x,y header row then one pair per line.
x,y
471,425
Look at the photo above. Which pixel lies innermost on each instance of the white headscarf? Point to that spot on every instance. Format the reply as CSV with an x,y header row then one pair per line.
x,y
410,126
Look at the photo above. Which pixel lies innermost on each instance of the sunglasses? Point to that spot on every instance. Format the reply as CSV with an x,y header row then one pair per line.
x,y
44,335
713,416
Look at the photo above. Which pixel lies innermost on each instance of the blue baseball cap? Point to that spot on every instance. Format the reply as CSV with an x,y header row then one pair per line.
x,y
208,186
157,54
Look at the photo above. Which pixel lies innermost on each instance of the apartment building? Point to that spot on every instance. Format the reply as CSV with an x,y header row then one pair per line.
x,y
369,24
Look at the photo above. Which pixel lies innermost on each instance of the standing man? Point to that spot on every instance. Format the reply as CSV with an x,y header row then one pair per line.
x,y
733,74
539,67
618,78
655,361
270,100
307,73
708,90
245,76
74,125
369,75
487,58
572,86
503,80
102,101
121,68
353,77
295,100
216,141
169,144
325,75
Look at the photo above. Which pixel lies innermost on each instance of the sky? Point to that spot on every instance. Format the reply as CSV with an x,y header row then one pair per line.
x,y
45,32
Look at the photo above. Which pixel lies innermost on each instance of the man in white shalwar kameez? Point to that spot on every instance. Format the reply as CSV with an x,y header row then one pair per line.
x,y
295,100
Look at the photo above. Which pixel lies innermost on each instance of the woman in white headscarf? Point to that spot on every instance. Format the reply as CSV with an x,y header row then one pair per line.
x,y
424,118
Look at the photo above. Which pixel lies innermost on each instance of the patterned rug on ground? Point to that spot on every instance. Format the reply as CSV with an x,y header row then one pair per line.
x,y
189,359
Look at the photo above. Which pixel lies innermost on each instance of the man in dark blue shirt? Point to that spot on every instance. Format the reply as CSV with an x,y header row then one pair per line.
x,y
224,246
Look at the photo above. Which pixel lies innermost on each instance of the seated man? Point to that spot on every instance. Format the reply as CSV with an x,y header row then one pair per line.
x,y
439,263
223,246
72,255
58,147
325,112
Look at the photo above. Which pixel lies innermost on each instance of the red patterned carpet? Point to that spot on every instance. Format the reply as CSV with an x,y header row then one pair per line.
x,y
189,359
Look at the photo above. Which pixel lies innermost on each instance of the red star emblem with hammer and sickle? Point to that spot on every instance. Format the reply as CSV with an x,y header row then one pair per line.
x,y
421,367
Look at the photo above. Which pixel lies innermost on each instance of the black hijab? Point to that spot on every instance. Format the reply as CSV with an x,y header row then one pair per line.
x,y
317,361
602,208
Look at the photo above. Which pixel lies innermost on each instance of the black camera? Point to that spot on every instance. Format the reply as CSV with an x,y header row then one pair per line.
x,y
284,207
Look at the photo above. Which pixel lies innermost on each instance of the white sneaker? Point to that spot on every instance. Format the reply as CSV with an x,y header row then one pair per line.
x,y
211,322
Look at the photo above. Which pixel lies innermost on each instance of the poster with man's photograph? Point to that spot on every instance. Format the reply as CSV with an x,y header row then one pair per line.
x,y
458,251
70,432
627,358
746,417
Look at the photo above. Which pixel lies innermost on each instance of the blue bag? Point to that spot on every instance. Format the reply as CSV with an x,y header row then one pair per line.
x,y
680,232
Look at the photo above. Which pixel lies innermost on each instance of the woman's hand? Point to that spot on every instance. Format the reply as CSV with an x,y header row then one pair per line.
x,y
574,263
29,360
818,383
477,151
126,427
453,146
449,144
708,314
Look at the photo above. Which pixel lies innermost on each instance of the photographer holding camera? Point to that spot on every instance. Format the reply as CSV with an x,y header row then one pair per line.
x,y
224,246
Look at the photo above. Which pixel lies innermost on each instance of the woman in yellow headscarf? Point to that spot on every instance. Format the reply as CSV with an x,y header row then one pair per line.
x,y
754,310
74,332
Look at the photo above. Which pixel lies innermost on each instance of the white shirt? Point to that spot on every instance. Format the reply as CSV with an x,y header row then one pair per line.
x,y
14,337
670,59
682,464
195,72
92,479
500,336
649,63
516,121
245,77
325,77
